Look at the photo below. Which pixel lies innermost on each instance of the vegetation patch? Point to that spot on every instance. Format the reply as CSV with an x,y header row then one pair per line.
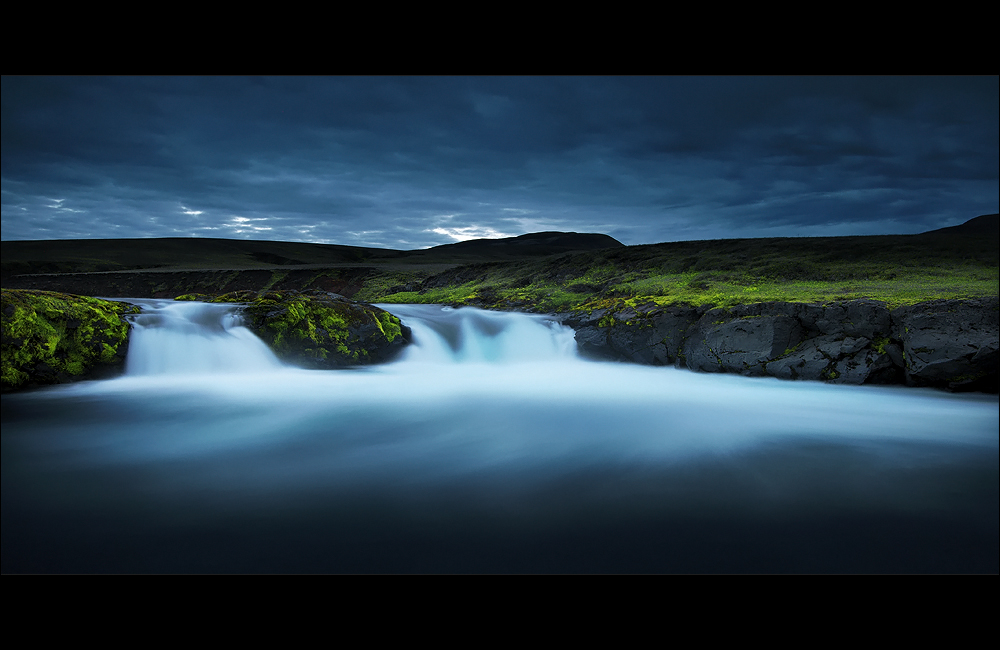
x,y
51,337
899,271
276,277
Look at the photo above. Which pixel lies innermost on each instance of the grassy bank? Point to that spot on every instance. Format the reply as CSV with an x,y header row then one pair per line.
x,y
898,270
545,272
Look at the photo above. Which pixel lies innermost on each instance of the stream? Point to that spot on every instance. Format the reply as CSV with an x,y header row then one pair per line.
x,y
488,446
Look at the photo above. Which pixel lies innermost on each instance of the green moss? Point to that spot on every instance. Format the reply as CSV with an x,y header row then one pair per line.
x,y
51,337
790,350
879,344
315,329
276,277
390,326
965,379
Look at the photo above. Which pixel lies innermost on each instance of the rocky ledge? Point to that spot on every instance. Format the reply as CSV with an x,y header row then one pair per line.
x,y
951,344
316,329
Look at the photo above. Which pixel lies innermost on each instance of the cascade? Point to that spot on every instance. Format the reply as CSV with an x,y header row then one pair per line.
x,y
178,338
187,338
445,335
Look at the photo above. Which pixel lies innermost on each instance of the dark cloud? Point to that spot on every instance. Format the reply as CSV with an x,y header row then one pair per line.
x,y
414,162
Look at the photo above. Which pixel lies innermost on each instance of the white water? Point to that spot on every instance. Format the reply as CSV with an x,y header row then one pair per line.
x,y
194,338
489,421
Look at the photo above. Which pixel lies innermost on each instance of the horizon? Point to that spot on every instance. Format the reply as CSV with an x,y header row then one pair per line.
x,y
281,241
410,163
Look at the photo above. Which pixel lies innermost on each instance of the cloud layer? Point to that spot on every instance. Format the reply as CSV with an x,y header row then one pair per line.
x,y
414,162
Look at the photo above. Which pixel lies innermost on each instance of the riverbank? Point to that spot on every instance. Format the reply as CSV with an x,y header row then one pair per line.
x,y
949,344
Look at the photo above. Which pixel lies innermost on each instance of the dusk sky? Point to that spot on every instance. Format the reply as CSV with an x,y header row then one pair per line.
x,y
412,162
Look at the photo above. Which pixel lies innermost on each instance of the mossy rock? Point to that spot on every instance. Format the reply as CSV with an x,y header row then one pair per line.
x,y
51,338
316,329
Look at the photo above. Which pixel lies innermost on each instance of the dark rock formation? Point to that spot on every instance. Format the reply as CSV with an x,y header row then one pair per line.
x,y
646,334
947,344
950,343
51,338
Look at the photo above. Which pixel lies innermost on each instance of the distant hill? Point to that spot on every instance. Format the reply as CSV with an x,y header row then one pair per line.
x,y
89,255
530,245
95,255
987,225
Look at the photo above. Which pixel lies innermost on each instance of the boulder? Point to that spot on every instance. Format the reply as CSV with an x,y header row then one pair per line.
x,y
850,360
853,318
950,343
315,329
51,338
647,334
722,343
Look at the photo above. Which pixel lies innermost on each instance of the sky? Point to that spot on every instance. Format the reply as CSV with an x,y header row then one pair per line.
x,y
413,162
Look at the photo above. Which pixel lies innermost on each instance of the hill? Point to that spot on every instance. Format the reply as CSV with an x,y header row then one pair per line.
x,y
101,255
987,225
531,245
537,272
94,255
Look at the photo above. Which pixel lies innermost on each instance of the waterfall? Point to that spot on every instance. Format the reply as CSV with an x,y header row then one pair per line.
x,y
193,338
196,338
442,335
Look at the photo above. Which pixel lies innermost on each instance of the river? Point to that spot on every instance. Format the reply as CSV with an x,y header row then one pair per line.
x,y
489,446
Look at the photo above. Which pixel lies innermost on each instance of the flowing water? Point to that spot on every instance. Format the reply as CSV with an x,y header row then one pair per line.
x,y
488,446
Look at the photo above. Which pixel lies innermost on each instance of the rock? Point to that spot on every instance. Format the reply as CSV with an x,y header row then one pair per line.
x,y
745,345
51,338
866,366
950,343
810,360
895,354
592,341
321,330
643,335
855,318
844,343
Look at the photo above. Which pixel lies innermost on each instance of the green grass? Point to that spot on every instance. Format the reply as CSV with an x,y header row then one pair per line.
x,y
897,270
